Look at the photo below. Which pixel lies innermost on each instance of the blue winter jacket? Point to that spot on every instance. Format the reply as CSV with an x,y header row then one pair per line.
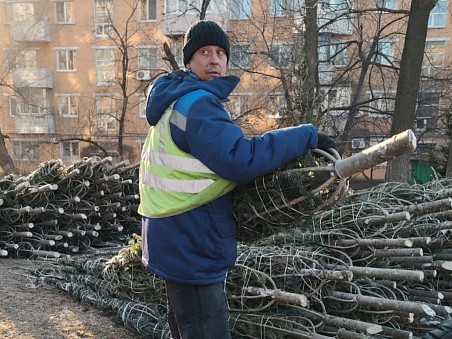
x,y
199,246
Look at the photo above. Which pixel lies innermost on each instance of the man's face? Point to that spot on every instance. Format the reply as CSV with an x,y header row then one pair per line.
x,y
208,62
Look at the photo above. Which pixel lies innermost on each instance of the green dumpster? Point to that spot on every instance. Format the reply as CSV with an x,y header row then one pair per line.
x,y
422,172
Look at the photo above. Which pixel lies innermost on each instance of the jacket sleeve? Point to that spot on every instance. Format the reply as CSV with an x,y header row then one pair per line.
x,y
221,145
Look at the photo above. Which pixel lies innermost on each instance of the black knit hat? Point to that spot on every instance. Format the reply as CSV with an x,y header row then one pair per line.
x,y
203,33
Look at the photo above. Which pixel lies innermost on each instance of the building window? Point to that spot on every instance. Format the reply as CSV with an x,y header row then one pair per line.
x,y
70,150
381,104
384,54
428,104
147,57
66,59
184,6
26,59
105,114
427,110
31,101
10,58
19,12
178,52
216,6
64,12
336,99
332,52
102,17
12,105
275,106
427,123
178,6
281,7
240,56
386,4
105,66
437,17
147,10
280,55
25,150
334,5
68,105
433,57
142,106
237,105
240,9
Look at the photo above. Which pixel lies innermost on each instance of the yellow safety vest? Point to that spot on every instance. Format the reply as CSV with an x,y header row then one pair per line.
x,y
171,180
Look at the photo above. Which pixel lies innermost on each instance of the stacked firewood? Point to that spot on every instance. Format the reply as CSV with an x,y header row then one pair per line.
x,y
61,209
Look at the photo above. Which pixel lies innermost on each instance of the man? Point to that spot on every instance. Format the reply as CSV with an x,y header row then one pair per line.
x,y
192,159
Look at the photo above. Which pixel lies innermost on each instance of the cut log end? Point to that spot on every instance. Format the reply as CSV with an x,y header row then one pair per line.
x,y
447,265
428,310
374,329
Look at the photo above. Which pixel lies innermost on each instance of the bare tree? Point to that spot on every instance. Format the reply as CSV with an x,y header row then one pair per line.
x,y
122,34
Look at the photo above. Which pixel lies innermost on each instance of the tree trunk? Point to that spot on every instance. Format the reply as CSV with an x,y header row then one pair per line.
x,y
308,99
204,6
310,84
6,163
449,162
122,122
399,169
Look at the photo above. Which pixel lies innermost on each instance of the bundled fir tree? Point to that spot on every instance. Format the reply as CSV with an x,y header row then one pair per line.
x,y
305,186
275,200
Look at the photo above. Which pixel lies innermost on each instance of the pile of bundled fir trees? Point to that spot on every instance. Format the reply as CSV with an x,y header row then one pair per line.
x,y
59,210
377,265
313,262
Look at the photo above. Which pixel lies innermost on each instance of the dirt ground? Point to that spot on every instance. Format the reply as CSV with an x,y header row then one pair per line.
x,y
29,310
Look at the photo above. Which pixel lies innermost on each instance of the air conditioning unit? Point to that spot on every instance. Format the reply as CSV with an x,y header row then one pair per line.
x,y
358,143
143,74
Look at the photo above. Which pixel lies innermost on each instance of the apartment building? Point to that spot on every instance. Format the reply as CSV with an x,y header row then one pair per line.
x,y
74,73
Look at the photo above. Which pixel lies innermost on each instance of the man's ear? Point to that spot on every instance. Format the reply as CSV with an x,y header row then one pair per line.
x,y
187,66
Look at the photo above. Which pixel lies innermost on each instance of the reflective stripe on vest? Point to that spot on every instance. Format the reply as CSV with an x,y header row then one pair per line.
x,y
172,181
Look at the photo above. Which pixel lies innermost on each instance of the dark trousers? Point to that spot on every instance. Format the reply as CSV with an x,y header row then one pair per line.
x,y
197,311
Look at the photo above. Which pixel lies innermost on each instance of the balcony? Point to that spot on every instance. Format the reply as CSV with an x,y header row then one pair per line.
x,y
33,77
31,31
176,24
35,124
